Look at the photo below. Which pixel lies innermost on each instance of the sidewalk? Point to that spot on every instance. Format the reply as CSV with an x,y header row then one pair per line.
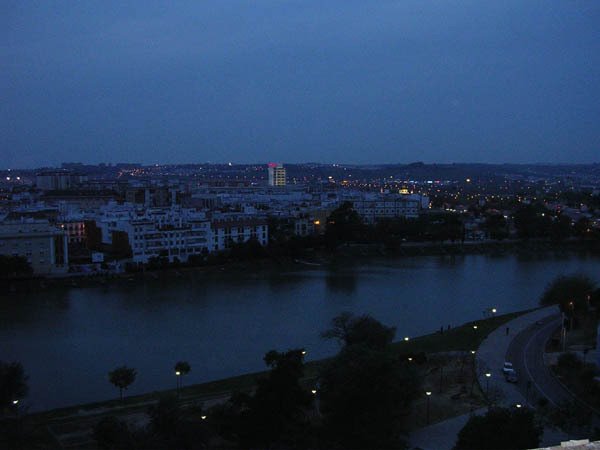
x,y
492,353
490,357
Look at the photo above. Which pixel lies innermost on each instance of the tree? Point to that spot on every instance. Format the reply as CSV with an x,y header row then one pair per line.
x,y
13,384
122,377
496,226
531,221
343,225
275,414
573,294
500,429
14,266
365,392
182,368
350,330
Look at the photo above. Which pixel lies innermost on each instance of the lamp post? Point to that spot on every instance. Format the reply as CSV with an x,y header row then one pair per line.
x,y
315,392
487,385
178,375
406,338
428,394
473,372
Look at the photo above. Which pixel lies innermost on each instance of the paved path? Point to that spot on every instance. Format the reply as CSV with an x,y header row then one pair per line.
x,y
490,359
492,354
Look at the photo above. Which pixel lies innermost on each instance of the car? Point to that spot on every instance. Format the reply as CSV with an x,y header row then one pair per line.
x,y
507,366
511,376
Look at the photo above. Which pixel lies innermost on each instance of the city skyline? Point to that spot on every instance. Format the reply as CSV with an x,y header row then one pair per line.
x,y
347,82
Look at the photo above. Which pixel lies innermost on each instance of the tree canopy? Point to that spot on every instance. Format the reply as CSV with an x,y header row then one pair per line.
x,y
364,394
122,377
365,390
275,414
14,266
183,367
343,225
500,429
349,329
571,293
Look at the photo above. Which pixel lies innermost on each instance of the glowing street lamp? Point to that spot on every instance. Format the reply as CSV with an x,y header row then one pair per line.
x,y
406,339
428,394
474,327
15,402
178,375
487,384
203,417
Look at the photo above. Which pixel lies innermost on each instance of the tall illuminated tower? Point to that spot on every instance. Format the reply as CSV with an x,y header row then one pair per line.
x,y
276,174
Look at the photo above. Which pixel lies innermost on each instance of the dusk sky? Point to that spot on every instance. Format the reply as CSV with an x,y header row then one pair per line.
x,y
295,81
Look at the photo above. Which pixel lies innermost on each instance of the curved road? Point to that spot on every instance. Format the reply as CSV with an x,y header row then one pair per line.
x,y
526,352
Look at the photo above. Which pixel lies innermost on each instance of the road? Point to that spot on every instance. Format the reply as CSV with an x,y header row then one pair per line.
x,y
526,352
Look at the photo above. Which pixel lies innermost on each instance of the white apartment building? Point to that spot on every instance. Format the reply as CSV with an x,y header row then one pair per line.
x,y
150,239
238,229
389,206
42,244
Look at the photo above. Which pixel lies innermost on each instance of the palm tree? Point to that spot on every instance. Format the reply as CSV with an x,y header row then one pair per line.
x,y
181,368
122,377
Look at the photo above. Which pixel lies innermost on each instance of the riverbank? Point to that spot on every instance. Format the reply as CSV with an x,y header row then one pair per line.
x,y
312,259
72,426
465,337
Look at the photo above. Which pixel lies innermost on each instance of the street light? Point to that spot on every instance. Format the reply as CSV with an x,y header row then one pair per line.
x,y
314,392
487,384
178,374
474,327
428,394
203,417
406,338
518,405
15,402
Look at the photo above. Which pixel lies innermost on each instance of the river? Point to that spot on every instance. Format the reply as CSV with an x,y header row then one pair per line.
x,y
222,324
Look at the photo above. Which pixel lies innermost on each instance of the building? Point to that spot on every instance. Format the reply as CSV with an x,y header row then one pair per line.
x,y
276,175
237,230
389,206
58,180
74,229
178,241
42,244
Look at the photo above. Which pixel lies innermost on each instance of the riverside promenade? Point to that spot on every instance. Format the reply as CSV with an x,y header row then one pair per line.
x,y
491,355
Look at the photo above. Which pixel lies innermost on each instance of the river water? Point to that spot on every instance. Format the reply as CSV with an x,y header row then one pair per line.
x,y
222,324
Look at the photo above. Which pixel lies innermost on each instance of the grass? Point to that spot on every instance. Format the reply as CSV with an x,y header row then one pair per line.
x,y
462,338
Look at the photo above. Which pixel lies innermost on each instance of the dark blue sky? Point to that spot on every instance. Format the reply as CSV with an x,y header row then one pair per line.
x,y
299,80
